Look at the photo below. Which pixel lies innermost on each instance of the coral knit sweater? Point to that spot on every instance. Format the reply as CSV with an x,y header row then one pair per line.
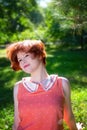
x,y
41,110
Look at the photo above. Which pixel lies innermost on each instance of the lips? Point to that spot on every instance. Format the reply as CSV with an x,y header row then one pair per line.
x,y
25,66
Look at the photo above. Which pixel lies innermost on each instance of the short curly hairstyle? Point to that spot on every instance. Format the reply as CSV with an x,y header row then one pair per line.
x,y
35,47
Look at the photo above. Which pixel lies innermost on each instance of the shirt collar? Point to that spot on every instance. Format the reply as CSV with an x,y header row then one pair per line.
x,y
33,86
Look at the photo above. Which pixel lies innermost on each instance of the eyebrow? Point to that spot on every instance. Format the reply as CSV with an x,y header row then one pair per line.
x,y
23,56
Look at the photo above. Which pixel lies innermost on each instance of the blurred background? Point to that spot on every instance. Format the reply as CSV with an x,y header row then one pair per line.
x,y
49,20
62,26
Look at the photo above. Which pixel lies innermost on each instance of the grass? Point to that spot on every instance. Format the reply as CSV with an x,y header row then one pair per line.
x,y
71,64
2,52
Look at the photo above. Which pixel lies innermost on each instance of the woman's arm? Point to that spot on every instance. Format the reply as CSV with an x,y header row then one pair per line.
x,y
68,114
16,114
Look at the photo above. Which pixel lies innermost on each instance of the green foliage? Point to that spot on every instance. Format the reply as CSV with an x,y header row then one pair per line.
x,y
62,20
72,15
52,24
16,16
71,64
68,5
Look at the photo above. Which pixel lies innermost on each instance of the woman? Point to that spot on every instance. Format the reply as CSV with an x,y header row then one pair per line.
x,y
41,101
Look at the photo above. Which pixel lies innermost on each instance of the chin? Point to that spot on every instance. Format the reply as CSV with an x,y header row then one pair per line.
x,y
27,71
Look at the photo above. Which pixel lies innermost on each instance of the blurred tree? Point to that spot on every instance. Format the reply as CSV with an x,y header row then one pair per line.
x,y
16,16
52,25
76,12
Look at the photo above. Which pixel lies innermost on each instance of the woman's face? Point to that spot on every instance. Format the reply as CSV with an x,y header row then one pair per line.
x,y
28,62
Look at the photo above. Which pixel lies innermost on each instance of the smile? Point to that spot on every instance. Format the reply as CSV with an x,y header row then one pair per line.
x,y
26,65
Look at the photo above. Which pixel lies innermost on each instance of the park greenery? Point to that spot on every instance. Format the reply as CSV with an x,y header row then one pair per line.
x,y
61,20
62,25
68,63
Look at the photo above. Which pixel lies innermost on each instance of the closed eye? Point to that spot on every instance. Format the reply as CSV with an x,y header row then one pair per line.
x,y
19,60
26,55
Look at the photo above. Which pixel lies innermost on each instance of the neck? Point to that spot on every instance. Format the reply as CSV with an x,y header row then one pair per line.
x,y
40,74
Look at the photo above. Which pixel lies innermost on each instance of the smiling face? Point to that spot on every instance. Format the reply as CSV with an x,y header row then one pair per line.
x,y
28,62
35,47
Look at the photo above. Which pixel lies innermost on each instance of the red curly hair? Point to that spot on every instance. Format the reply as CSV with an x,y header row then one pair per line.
x,y
35,47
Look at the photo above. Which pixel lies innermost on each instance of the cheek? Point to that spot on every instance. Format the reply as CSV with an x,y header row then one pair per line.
x,y
34,62
20,65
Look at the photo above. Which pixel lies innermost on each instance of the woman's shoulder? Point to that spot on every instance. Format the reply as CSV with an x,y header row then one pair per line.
x,y
65,85
65,81
17,83
63,78
16,86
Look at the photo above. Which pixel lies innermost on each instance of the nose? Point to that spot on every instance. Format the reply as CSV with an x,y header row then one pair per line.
x,y
23,60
